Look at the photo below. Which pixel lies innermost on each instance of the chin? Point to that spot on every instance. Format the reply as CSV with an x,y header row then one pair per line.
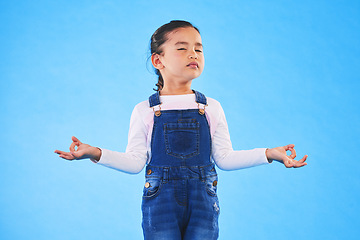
x,y
195,75
190,78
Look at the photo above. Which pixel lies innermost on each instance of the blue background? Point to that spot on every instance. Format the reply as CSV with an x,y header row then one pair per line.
x,y
284,72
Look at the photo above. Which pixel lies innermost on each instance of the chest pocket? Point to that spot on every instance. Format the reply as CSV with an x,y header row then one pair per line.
x,y
182,138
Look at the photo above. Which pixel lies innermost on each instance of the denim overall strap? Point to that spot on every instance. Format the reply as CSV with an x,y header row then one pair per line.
x,y
200,98
154,99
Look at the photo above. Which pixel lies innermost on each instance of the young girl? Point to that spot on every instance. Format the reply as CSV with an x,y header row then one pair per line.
x,y
179,134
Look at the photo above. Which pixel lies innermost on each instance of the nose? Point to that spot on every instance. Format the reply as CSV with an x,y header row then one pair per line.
x,y
193,54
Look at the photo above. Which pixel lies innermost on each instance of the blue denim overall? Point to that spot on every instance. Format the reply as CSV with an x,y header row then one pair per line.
x,y
179,199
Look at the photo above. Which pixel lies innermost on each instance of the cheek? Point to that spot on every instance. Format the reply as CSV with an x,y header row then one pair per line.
x,y
177,56
202,61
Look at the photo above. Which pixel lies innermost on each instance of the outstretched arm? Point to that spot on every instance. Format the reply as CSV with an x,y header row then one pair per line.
x,y
79,150
228,159
279,154
131,161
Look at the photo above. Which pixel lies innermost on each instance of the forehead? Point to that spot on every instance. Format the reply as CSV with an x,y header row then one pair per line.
x,y
187,34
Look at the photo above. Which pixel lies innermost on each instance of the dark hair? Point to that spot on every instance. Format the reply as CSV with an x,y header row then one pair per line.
x,y
160,37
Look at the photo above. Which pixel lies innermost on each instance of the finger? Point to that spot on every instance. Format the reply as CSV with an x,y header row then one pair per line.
x,y
288,163
300,165
57,151
72,147
76,143
60,152
293,153
76,140
303,159
65,155
301,162
287,147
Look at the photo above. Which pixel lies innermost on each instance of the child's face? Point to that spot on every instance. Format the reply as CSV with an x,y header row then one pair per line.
x,y
182,57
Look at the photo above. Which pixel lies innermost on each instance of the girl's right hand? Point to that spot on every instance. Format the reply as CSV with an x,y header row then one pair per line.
x,y
83,151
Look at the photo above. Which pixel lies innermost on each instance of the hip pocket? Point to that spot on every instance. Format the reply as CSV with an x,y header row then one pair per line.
x,y
182,138
211,185
152,187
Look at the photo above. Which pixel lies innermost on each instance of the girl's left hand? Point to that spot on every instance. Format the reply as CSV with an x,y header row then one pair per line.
x,y
279,154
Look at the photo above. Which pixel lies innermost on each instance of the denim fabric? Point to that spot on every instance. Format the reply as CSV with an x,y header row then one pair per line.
x,y
179,199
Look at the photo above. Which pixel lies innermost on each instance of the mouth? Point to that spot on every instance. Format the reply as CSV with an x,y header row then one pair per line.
x,y
193,65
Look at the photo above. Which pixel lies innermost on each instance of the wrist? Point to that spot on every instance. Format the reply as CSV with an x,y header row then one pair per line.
x,y
96,153
267,154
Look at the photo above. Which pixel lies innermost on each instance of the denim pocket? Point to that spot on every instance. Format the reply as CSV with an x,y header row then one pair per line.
x,y
182,138
152,187
211,185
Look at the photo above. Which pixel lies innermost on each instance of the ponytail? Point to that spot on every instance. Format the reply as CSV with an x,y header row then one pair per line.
x,y
160,83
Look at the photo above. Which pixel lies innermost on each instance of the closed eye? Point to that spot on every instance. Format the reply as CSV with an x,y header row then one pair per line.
x,y
197,50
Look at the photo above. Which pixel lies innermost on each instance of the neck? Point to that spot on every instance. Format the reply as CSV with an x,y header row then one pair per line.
x,y
176,89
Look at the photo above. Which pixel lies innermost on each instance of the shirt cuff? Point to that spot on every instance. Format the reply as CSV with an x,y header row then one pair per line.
x,y
269,160
101,156
263,157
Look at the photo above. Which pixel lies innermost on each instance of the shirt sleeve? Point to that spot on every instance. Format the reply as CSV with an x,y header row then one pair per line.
x,y
135,156
223,154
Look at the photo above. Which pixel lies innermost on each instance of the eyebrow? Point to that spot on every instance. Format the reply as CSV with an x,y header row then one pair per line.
x,y
186,43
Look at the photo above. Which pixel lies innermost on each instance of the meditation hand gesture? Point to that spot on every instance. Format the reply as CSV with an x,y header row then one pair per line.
x,y
82,151
279,154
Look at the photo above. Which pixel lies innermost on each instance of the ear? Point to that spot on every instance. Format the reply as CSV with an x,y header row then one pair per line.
x,y
156,61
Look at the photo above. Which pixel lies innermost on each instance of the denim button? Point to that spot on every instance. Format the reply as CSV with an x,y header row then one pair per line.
x,y
147,185
157,113
149,172
214,183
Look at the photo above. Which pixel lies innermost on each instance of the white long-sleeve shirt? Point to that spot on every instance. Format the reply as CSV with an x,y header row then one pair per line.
x,y
138,151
